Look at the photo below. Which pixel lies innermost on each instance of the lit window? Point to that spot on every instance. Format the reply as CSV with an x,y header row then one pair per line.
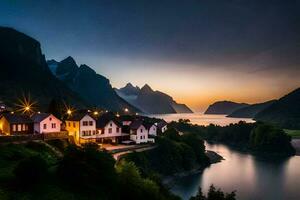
x,y
74,125
19,128
14,127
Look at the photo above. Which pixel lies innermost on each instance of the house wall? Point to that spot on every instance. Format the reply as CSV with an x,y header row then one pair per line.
x,y
153,130
49,121
4,126
163,129
21,128
141,135
89,130
116,131
73,128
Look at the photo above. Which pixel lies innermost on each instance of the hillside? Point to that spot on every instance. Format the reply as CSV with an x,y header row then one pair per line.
x,y
24,71
92,87
150,101
284,112
224,107
251,110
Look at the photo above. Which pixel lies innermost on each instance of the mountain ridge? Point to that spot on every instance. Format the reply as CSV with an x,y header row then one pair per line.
x,y
224,107
150,101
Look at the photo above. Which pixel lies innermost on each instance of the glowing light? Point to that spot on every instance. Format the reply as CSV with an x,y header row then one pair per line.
x,y
126,110
25,105
69,111
106,111
96,113
136,113
39,112
12,112
117,115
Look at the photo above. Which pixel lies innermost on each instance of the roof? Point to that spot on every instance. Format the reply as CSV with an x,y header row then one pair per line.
x,y
136,124
148,125
77,116
38,117
17,118
104,119
161,124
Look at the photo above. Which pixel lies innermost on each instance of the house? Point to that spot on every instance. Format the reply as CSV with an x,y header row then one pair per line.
x,y
46,123
138,132
109,130
15,124
152,128
162,126
82,127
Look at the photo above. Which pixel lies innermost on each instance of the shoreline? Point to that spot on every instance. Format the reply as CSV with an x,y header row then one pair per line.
x,y
214,159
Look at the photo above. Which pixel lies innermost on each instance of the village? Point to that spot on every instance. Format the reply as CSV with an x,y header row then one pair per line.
x,y
106,129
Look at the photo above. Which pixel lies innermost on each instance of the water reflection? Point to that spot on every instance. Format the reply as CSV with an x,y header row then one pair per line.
x,y
254,178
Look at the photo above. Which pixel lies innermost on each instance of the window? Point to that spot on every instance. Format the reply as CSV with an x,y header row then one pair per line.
x,y
69,124
23,127
110,130
91,123
14,127
141,130
141,137
19,128
53,125
26,127
90,132
44,126
110,124
50,118
85,123
74,124
118,129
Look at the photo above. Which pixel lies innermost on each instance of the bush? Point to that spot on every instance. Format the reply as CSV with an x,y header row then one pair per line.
x,y
31,171
214,194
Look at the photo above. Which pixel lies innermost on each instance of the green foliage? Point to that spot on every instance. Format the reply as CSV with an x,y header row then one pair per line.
x,y
133,186
257,137
31,171
182,152
214,194
88,170
271,139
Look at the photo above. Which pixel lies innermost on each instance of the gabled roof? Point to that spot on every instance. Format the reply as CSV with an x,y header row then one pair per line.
x,y
78,116
161,124
38,117
17,118
148,125
136,124
104,119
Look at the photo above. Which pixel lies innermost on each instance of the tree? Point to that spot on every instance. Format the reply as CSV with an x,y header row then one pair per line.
x,y
214,194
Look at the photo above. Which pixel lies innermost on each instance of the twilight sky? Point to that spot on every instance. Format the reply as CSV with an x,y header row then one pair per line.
x,y
198,51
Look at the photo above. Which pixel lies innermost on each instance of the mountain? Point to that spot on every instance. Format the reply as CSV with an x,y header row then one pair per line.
x,y
24,71
252,110
92,87
224,107
285,112
150,101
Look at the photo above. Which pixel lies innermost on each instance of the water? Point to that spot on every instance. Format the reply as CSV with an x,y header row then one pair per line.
x,y
253,178
202,119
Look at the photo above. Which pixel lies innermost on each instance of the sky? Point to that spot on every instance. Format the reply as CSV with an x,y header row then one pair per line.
x,y
197,51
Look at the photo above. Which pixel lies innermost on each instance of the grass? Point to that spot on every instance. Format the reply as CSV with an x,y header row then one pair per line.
x,y
293,133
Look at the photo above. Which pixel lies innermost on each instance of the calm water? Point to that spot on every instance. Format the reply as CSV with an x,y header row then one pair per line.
x,y
253,178
202,119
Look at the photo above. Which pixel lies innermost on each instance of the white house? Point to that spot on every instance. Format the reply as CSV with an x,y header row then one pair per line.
x,y
162,126
46,123
109,130
152,129
138,132
82,127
